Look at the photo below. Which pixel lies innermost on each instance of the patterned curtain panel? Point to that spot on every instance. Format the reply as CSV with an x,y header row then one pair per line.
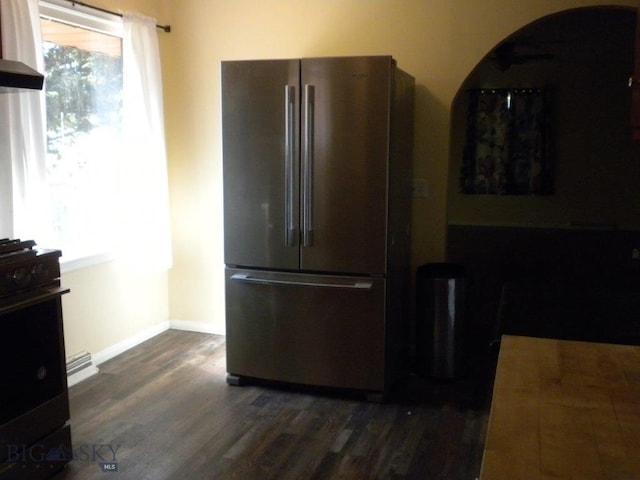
x,y
508,143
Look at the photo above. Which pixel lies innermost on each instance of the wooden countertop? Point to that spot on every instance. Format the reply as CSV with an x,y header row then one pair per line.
x,y
564,410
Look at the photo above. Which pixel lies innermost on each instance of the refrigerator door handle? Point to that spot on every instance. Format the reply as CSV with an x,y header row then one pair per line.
x,y
307,180
290,226
353,285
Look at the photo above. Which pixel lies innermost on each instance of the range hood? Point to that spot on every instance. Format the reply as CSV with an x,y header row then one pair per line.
x,y
16,75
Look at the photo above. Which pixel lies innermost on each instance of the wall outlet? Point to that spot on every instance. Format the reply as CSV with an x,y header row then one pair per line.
x,y
419,188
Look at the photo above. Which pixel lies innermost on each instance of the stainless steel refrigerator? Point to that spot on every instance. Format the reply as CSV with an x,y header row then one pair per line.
x,y
317,156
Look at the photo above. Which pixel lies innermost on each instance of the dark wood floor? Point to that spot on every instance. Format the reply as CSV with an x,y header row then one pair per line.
x,y
167,409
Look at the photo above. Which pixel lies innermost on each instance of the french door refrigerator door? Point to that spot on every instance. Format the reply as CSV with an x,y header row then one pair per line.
x,y
305,148
307,329
344,163
260,121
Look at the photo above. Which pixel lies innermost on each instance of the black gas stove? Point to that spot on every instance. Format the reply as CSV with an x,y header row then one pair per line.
x,y
35,438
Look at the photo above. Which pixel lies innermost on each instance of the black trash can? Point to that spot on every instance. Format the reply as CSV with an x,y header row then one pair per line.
x,y
440,312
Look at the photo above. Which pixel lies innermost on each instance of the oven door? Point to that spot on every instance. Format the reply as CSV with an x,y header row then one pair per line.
x,y
33,381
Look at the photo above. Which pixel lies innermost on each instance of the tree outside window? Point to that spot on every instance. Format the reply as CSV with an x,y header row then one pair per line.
x,y
83,70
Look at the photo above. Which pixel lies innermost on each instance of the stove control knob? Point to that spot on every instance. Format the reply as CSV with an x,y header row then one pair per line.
x,y
39,271
21,277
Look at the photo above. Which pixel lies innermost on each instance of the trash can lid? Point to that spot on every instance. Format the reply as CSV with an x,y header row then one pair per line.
x,y
441,270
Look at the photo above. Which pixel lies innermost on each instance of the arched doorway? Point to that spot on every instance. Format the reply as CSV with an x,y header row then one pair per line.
x,y
558,248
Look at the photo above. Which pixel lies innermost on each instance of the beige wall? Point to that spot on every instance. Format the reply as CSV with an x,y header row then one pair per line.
x,y
109,304
438,41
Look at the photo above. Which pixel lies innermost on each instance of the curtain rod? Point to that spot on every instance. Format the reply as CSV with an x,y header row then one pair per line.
x,y
166,28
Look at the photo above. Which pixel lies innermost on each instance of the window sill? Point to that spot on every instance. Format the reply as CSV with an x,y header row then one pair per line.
x,y
80,263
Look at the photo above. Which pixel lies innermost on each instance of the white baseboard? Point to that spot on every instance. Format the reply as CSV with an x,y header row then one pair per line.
x,y
201,327
124,345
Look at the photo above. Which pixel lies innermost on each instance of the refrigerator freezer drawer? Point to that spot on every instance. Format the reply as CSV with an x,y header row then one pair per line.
x,y
307,329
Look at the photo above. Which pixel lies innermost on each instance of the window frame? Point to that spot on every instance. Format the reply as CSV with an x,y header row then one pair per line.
x,y
81,17
64,11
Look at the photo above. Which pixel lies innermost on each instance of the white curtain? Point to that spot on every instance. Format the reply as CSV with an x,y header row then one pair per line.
x,y
143,195
24,195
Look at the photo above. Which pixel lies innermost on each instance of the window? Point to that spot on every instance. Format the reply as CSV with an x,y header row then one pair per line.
x,y
508,150
83,70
